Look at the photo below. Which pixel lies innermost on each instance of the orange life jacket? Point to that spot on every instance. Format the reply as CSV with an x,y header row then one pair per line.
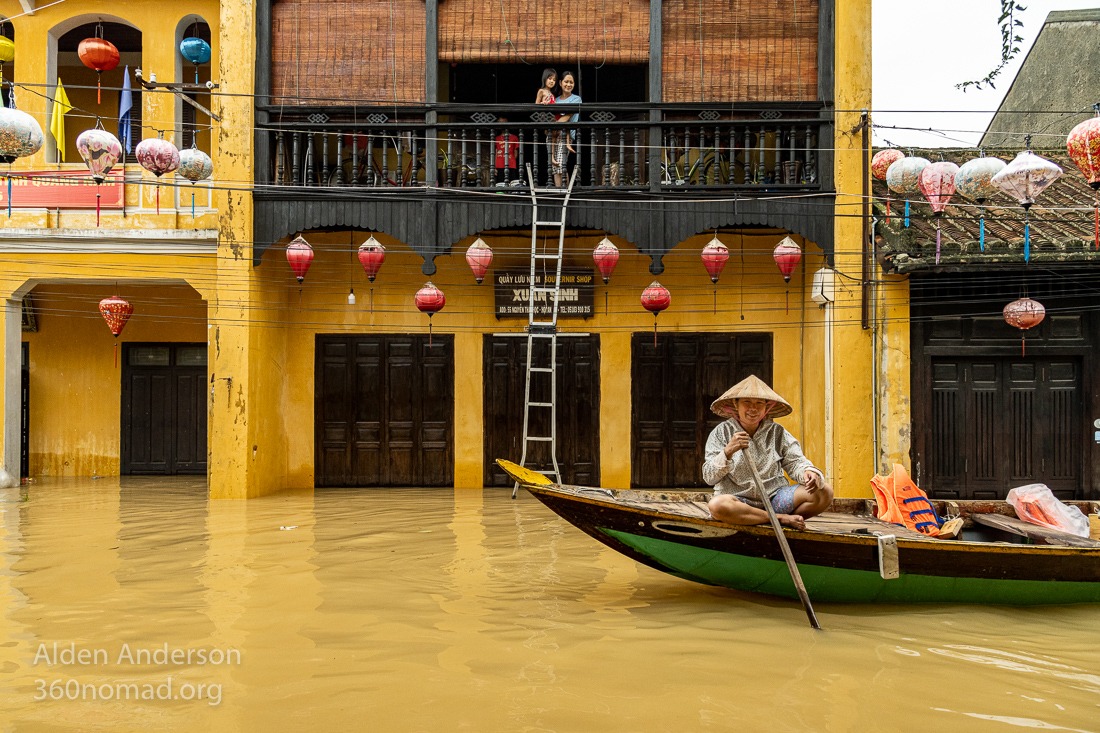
x,y
900,501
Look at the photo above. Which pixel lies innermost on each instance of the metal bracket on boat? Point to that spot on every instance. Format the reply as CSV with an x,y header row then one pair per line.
x,y
888,556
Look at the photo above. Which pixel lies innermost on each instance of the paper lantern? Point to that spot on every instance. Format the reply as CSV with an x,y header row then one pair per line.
x,y
1027,176
430,299
479,256
100,151
116,312
20,135
99,54
1024,314
195,50
903,178
937,183
1083,146
195,166
655,299
606,256
714,257
371,256
158,156
299,254
974,180
7,51
882,160
787,254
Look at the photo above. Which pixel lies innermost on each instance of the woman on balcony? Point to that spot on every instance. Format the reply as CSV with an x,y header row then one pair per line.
x,y
566,139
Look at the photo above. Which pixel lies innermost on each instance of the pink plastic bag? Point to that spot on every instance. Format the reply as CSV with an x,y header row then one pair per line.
x,y
1036,504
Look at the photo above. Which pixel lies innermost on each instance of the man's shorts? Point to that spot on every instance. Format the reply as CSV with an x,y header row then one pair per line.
x,y
782,500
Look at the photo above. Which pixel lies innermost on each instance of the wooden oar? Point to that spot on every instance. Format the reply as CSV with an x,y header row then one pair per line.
x,y
791,566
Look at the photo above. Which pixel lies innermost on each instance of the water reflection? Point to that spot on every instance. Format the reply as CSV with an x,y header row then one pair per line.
x,y
408,610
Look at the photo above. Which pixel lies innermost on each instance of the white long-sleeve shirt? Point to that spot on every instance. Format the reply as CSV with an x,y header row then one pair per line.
x,y
772,449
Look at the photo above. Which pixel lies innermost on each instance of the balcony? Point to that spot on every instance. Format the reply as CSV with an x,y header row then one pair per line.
x,y
654,175
656,149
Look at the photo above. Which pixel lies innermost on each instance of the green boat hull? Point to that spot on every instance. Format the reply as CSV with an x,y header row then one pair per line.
x,y
830,584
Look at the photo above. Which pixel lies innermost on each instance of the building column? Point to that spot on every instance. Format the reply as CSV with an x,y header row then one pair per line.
x,y
615,390
469,425
12,405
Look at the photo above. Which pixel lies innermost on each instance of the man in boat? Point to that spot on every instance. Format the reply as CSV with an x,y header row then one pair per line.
x,y
749,434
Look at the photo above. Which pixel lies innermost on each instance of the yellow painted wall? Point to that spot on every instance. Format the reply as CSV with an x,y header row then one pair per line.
x,y
751,286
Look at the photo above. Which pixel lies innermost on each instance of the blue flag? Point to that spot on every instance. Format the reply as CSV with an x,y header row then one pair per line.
x,y
125,104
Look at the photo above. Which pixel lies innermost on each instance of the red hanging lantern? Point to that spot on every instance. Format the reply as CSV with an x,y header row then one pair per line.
x,y
479,256
371,256
1083,145
606,256
655,299
1024,314
714,257
787,254
100,54
116,312
882,161
300,255
430,299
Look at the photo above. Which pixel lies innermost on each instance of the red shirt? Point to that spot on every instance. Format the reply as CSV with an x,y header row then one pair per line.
x,y
512,143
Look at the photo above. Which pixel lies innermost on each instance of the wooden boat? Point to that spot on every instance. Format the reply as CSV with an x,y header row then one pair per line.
x,y
844,555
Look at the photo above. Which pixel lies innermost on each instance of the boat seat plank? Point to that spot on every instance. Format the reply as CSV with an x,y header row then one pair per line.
x,y
859,524
1043,535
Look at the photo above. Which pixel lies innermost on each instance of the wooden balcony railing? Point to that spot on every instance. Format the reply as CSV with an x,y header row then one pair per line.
x,y
696,149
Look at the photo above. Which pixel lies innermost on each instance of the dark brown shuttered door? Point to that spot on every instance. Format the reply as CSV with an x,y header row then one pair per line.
x,y
578,408
673,384
1003,422
164,409
385,411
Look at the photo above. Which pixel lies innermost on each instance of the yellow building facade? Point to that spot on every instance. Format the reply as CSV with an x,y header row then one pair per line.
x,y
210,280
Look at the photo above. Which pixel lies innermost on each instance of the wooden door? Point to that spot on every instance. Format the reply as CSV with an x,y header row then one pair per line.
x,y
384,411
163,409
1002,422
672,386
578,407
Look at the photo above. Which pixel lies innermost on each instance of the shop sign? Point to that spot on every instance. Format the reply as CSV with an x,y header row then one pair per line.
x,y
61,190
575,296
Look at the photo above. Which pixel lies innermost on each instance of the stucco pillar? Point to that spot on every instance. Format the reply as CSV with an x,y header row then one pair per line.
x,y
12,335
469,425
615,414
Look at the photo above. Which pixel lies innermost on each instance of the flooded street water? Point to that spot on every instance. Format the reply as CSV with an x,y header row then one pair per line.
x,y
417,610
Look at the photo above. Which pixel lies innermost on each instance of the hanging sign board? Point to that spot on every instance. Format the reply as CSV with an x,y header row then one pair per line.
x,y
61,190
574,300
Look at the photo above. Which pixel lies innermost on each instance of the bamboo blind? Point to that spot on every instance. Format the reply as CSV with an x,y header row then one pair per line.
x,y
540,31
342,52
740,50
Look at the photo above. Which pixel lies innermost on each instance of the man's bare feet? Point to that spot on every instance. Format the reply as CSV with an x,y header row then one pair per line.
x,y
791,520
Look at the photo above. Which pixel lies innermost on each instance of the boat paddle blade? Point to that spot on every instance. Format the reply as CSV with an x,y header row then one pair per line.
x,y
523,475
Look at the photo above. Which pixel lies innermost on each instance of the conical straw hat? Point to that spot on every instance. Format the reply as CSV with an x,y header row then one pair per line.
x,y
751,388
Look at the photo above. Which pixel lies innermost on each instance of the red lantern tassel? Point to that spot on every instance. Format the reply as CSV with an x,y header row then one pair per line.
x,y
1023,346
429,331
116,355
937,243
1095,218
9,197
97,205
99,87
655,330
158,197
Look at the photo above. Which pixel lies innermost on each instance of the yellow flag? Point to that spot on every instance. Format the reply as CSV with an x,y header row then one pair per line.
x,y
57,119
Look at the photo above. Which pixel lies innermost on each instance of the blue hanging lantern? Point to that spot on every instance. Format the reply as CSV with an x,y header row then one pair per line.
x,y
195,50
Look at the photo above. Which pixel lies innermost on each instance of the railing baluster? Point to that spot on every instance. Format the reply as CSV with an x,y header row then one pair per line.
x,y
415,152
280,159
462,175
339,158
705,170
324,159
309,160
731,173
810,173
746,167
372,175
477,158
761,162
637,157
295,161
450,159
606,156
355,159
383,138
521,163
617,179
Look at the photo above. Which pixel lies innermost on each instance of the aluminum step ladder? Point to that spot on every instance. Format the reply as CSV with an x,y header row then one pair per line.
x,y
542,327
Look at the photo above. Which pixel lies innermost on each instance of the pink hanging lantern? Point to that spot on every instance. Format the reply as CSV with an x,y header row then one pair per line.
x,y
479,256
299,254
787,254
116,311
1083,146
158,156
937,183
1024,179
974,180
100,151
714,257
1024,314
371,256
655,299
430,299
606,256
881,161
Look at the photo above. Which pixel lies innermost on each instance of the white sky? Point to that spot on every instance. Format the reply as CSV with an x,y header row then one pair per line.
x,y
923,48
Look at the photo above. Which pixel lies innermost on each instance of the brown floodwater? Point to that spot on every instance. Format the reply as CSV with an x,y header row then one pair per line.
x,y
141,606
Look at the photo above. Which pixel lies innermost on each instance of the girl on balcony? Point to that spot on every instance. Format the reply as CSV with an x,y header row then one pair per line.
x,y
566,137
553,137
